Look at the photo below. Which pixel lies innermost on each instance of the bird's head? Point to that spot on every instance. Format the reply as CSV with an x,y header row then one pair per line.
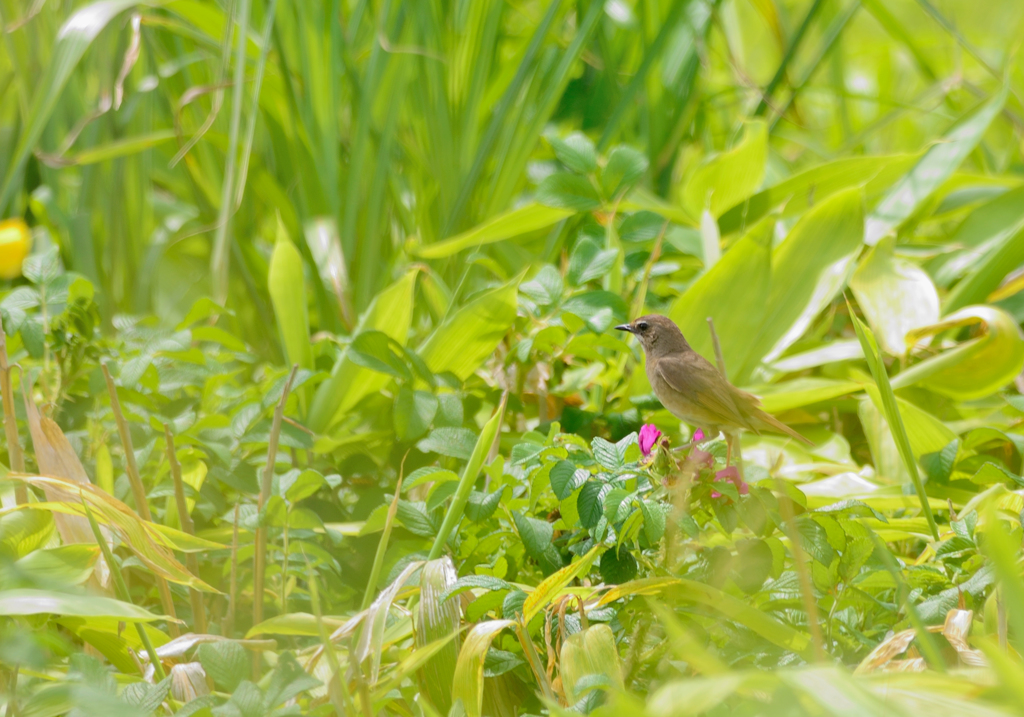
x,y
657,334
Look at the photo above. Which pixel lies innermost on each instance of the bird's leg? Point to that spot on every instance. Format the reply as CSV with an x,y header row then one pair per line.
x,y
728,449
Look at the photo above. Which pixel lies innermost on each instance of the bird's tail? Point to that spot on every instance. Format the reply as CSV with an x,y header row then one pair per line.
x,y
772,423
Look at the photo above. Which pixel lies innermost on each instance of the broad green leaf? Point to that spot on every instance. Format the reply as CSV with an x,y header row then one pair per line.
x,y
469,336
988,228
730,177
391,313
562,190
735,294
786,395
926,433
414,412
1005,254
566,478
624,167
225,662
66,565
287,286
976,368
576,152
294,623
934,168
43,602
468,682
806,189
536,536
896,296
515,222
808,270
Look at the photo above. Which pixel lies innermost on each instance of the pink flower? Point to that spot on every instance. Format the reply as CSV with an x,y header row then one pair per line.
x,y
698,436
731,473
649,435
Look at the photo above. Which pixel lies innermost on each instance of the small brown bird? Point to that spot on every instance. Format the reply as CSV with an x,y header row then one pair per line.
x,y
694,390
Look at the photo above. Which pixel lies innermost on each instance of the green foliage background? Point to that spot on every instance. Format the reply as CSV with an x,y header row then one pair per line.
x,y
436,212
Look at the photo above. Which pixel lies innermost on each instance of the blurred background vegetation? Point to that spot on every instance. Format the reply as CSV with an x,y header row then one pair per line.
x,y
436,211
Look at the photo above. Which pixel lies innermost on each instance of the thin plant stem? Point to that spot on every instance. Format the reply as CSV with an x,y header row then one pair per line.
x,y
219,259
10,426
122,589
139,492
260,565
229,620
476,460
794,45
734,439
191,561
382,546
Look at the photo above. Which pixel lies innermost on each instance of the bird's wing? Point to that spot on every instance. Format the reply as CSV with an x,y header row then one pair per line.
x,y
702,384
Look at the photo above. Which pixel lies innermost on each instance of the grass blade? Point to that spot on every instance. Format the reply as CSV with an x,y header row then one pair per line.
x,y
892,415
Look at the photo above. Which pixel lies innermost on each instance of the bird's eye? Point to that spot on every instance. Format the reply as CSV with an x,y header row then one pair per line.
x,y
642,326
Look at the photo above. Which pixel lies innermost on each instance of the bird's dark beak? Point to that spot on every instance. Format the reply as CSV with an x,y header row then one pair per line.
x,y
624,327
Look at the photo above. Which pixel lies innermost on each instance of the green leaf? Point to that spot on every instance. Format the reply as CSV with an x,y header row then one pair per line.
x,y
427,474
654,520
226,663
798,193
618,566
390,312
297,485
730,177
470,335
43,602
452,442
892,415
568,191
576,152
624,167
413,515
287,286
469,582
545,287
566,478
414,412
589,261
978,367
66,565
807,274
372,350
599,309
896,296
738,314
513,223
468,682
536,536
590,503
481,506
932,170
288,680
